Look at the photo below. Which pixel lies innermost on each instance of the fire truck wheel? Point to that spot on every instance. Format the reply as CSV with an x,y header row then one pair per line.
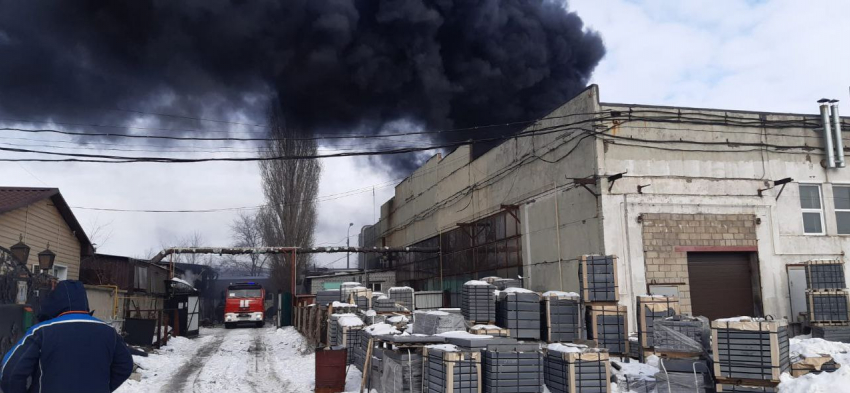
x,y
261,324
229,325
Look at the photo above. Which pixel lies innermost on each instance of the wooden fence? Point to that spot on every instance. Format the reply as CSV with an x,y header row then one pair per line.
x,y
312,322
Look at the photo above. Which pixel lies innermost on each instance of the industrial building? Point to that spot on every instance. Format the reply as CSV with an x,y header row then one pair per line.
x,y
717,207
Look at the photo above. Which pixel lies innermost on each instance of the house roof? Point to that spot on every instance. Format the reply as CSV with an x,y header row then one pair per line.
x,y
12,198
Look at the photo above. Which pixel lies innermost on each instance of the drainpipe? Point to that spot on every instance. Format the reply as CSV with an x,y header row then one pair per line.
x,y
827,133
836,127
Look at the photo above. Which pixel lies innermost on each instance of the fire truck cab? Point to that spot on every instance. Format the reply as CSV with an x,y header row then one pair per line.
x,y
244,304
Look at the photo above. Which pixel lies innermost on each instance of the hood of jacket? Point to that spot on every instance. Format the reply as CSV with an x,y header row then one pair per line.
x,y
69,295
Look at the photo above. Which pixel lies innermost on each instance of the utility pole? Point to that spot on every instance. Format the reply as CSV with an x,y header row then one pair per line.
x,y
348,245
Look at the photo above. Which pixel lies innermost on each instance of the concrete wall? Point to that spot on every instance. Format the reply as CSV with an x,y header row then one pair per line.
x,y
529,171
40,223
721,176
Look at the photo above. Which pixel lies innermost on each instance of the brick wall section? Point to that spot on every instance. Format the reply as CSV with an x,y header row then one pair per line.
x,y
663,232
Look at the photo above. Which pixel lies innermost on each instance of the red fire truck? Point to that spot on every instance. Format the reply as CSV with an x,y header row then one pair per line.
x,y
245,304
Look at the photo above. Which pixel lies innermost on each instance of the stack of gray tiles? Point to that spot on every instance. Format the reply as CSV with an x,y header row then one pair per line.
x,y
832,333
647,314
681,334
828,306
464,372
519,312
591,375
478,303
403,296
504,283
352,341
560,319
749,354
513,368
402,371
323,298
825,274
479,343
385,304
333,329
598,278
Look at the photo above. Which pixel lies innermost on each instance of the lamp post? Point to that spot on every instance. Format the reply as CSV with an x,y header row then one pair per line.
x,y
348,245
46,258
21,251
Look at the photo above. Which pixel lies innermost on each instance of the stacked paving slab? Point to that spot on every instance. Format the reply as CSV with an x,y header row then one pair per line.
x,y
513,368
323,298
607,324
681,336
449,369
649,309
505,283
436,322
402,371
576,369
827,300
348,334
478,302
560,317
403,296
518,310
598,278
606,321
750,351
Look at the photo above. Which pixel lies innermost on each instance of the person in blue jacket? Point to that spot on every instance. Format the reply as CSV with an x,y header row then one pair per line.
x,y
69,352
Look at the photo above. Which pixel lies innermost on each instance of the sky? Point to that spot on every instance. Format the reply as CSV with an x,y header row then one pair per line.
x,y
778,56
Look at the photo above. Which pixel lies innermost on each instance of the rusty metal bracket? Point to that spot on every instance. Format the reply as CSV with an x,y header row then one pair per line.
x,y
641,187
613,178
585,182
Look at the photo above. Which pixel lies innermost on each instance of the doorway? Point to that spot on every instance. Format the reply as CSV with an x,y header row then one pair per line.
x,y
722,284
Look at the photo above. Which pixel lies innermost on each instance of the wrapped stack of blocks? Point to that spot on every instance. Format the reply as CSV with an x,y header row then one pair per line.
x,y
560,317
750,351
451,369
518,310
478,302
576,369
827,300
403,296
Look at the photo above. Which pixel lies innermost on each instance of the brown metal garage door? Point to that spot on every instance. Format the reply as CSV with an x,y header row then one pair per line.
x,y
721,284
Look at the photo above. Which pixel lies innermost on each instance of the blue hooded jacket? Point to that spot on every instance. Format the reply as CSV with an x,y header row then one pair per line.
x,y
70,352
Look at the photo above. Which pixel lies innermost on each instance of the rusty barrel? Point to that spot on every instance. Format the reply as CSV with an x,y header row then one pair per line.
x,y
330,371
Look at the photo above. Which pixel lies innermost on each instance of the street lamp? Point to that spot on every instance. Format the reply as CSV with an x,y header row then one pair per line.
x,y
20,251
46,258
347,245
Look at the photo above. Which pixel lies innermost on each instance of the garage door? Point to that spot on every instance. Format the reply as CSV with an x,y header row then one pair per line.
x,y
721,284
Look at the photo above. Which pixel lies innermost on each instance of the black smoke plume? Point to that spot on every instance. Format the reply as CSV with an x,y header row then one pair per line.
x,y
335,65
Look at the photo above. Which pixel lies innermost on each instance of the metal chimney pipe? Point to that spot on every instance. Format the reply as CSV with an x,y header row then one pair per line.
x,y
836,128
827,133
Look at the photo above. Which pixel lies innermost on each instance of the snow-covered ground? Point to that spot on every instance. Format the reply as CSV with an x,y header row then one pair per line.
x,y
220,360
280,360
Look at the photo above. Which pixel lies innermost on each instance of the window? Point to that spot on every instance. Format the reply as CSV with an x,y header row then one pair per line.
x,y
375,286
810,202
841,197
140,281
244,293
59,271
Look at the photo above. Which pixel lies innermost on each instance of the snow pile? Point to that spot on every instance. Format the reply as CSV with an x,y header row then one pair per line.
x,y
741,319
834,382
442,313
567,348
635,370
349,320
381,328
184,282
398,319
336,304
371,313
517,290
462,334
475,282
560,294
160,365
484,327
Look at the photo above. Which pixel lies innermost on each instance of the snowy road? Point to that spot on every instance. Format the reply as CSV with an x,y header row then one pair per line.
x,y
239,360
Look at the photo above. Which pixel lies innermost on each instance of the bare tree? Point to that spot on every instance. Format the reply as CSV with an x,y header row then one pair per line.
x,y
290,187
246,233
99,232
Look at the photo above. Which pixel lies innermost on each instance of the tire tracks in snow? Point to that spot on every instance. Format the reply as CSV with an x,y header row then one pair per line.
x,y
193,366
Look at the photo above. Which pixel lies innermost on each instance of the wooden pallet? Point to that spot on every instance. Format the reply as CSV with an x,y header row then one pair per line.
x,y
499,332
678,355
746,382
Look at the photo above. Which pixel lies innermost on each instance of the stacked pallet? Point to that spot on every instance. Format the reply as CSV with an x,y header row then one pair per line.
x,y
402,296
436,322
750,351
598,278
513,368
505,283
478,302
402,371
728,387
364,336
345,289
827,300
334,327
681,337
448,369
560,317
607,324
489,330
348,334
570,368
802,365
518,310
649,309
324,298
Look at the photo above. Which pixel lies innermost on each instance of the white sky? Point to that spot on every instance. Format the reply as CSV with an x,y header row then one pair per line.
x,y
752,55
